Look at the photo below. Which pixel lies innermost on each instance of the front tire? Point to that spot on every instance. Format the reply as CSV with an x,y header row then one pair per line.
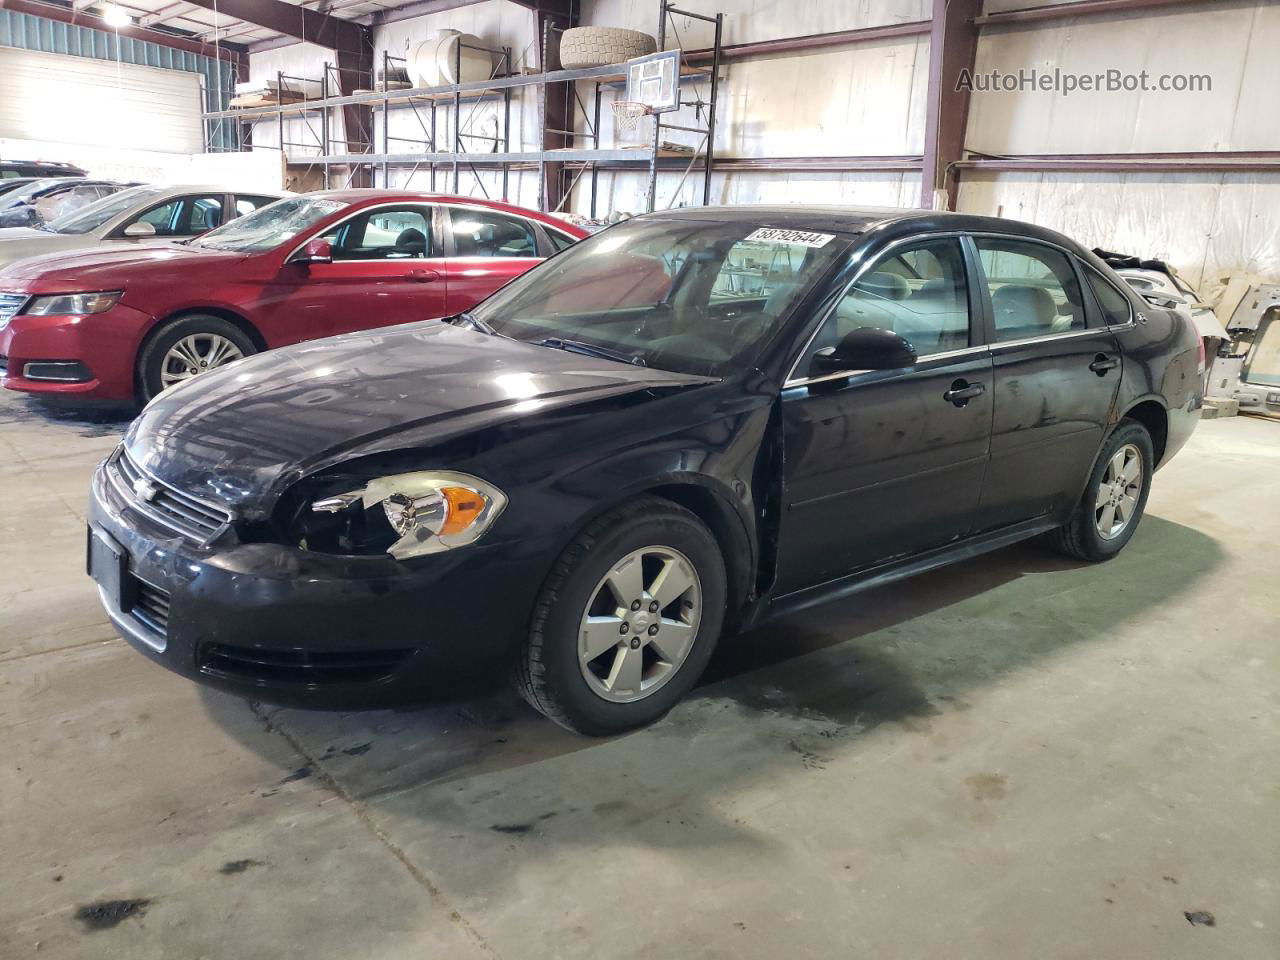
x,y
627,620
188,347
1115,497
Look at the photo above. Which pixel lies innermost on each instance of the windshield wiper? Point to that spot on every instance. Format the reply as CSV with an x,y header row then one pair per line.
x,y
590,350
467,319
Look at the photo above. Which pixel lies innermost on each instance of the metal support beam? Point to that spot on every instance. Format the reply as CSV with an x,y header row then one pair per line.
x,y
1223,161
810,42
309,26
1078,8
953,46
557,104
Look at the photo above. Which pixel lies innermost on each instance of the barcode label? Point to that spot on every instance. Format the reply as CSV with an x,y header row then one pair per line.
x,y
801,238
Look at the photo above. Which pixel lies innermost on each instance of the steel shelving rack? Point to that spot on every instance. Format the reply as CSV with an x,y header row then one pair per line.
x,y
426,103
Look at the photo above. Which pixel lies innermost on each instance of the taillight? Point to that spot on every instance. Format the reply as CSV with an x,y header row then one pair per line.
x,y
1200,353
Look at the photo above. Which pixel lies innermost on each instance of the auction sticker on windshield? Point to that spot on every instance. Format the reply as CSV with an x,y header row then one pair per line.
x,y
801,238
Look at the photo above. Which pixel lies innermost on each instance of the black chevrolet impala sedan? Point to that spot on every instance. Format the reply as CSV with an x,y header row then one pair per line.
x,y
671,430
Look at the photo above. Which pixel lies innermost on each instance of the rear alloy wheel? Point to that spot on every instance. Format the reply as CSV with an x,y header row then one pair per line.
x,y
626,620
1113,502
187,348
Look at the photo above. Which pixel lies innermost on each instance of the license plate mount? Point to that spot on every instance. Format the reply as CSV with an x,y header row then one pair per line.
x,y
108,565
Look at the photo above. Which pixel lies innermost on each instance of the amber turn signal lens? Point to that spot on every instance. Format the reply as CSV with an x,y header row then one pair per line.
x,y
462,507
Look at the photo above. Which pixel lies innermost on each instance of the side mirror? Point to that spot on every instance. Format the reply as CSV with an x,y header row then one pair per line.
x,y
316,251
867,348
140,228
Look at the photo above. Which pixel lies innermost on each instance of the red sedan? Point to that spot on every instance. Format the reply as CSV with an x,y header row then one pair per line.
x,y
125,325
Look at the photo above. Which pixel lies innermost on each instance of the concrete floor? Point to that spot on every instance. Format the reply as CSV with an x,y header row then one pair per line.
x,y
1013,758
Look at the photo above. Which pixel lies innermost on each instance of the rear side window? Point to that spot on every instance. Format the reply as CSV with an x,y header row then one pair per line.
x,y
245,204
1115,305
1034,291
560,241
483,233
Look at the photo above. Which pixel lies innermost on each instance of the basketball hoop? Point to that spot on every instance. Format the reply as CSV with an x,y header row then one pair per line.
x,y
627,113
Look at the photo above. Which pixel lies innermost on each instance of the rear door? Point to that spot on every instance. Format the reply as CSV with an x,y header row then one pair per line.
x,y
888,463
485,250
1057,370
383,272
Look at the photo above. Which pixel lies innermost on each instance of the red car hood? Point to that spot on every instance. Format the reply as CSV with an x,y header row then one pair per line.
x,y
107,269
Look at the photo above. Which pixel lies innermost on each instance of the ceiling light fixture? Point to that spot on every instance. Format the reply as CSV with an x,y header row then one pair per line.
x,y
115,16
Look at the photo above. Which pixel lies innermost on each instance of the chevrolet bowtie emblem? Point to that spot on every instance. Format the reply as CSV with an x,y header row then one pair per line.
x,y
143,490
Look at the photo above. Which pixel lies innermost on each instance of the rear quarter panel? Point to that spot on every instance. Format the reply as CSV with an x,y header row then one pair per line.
x,y
1161,362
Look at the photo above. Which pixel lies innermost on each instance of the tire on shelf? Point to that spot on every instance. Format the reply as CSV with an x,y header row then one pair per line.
x,y
601,46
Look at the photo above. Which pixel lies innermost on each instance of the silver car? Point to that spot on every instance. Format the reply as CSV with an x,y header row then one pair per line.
x,y
145,213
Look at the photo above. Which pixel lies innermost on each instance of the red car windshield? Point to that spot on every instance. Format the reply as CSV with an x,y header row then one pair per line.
x,y
270,226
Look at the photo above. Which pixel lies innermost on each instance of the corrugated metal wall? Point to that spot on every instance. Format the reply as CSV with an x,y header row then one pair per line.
x,y
52,36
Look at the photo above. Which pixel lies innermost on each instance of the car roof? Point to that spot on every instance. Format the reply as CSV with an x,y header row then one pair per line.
x,y
853,219
365,194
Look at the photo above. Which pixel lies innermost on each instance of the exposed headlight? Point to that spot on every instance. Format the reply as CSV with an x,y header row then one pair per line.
x,y
72,304
428,512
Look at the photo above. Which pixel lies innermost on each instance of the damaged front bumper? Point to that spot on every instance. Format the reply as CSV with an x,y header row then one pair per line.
x,y
281,624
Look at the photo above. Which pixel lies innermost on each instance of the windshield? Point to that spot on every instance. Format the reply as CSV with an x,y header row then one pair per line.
x,y
100,211
688,296
270,226
25,192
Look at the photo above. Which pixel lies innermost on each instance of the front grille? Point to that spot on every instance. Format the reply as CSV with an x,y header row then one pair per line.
x,y
194,519
309,668
151,607
10,304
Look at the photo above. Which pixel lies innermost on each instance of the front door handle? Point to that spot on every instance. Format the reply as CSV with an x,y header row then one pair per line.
x,y
962,391
1102,363
423,276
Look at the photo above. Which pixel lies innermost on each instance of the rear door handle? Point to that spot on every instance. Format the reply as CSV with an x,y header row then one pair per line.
x,y
1102,363
962,391
423,276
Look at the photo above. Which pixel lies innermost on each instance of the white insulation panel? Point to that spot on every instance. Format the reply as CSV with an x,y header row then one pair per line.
x,y
98,102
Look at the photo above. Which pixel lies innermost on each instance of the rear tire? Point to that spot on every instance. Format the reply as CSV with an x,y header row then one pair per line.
x,y
1113,501
577,667
197,337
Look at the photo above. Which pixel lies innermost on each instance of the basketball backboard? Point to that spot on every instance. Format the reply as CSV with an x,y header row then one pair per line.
x,y
654,80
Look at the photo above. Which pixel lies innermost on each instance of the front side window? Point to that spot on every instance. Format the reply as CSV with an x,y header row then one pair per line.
x,y
1034,291
484,233
919,292
270,226
385,233
1115,305
694,297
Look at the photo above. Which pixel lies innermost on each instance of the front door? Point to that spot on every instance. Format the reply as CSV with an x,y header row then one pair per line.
x,y
888,463
1057,369
384,271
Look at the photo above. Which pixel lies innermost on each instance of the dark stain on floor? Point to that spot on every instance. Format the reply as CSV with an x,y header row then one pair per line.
x,y
1200,918
239,866
516,828
110,913
300,774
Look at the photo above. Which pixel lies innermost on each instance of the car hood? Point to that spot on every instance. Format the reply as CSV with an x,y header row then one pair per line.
x,y
17,243
98,268
242,435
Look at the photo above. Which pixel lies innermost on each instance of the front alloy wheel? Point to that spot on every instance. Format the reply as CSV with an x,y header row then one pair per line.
x,y
639,625
194,355
626,620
